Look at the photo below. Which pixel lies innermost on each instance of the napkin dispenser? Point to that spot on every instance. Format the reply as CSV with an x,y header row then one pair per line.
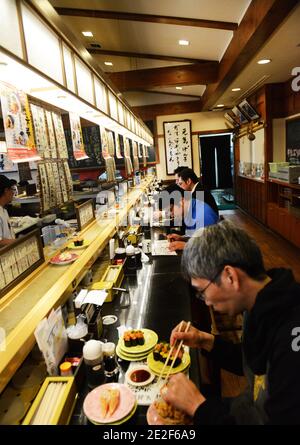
x,y
111,281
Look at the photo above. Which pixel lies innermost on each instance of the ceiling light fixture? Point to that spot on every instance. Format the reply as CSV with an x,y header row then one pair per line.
x,y
61,97
108,63
220,105
264,61
87,33
178,88
183,42
235,89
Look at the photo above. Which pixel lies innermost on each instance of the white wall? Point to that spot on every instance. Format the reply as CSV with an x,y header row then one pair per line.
x,y
202,121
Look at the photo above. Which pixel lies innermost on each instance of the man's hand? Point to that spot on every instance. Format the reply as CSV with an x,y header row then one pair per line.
x,y
183,394
174,237
193,338
176,245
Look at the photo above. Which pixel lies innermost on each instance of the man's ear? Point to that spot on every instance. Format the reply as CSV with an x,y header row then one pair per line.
x,y
231,277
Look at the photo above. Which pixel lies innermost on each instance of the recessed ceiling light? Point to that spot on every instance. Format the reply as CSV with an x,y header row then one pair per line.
x,y
108,63
264,61
220,105
183,42
178,88
61,97
235,89
87,33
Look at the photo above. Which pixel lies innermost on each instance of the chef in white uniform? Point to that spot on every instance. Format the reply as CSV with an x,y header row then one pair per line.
x,y
7,235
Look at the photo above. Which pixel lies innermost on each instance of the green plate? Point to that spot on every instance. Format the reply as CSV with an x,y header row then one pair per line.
x,y
151,339
120,421
73,247
131,358
157,366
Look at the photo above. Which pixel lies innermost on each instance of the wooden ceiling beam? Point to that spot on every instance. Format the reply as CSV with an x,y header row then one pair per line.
x,y
149,112
259,22
197,74
168,93
146,56
161,19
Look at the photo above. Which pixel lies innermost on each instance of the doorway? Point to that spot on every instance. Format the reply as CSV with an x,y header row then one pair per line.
x,y
217,167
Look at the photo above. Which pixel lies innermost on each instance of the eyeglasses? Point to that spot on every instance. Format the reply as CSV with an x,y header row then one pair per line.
x,y
200,294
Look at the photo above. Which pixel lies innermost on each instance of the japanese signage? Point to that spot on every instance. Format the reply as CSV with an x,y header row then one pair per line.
x,y
178,145
17,125
77,141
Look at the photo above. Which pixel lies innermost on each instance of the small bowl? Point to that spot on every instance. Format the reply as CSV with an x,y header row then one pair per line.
x,y
139,376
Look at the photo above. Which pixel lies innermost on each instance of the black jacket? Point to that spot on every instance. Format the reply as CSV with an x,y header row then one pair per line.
x,y
208,197
269,347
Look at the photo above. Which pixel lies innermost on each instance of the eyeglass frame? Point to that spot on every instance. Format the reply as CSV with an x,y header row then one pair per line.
x,y
200,294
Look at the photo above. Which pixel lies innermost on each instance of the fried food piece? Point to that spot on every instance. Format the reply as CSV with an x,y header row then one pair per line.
x,y
104,403
114,401
171,415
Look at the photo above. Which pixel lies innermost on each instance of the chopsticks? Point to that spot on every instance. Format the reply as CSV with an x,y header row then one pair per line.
x,y
169,355
178,349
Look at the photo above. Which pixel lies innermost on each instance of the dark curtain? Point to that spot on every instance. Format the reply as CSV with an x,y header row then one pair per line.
x,y
208,146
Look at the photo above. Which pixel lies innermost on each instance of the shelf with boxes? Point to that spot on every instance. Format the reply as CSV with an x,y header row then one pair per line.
x,y
283,210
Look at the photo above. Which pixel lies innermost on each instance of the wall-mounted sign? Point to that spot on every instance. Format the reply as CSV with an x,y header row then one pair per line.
x,y
77,141
85,214
17,125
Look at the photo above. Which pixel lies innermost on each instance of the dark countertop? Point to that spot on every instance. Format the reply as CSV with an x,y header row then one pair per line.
x,y
159,299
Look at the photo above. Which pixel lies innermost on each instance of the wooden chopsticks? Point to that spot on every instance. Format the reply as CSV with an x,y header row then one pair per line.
x,y
178,349
170,353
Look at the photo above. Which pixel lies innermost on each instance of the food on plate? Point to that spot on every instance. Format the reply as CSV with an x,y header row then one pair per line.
x,y
65,256
78,242
133,338
171,415
109,401
161,352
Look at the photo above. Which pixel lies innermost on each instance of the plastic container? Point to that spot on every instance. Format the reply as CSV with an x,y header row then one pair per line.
x,y
65,369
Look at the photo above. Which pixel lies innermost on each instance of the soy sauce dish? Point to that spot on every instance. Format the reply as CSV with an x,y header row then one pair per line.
x,y
139,376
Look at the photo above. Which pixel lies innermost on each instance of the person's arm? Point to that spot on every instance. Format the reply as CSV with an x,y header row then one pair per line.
x,y
227,355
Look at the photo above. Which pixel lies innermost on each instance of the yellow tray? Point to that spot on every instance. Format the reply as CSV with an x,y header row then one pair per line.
x,y
63,411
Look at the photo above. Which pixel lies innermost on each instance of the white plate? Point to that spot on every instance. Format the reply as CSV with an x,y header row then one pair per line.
x,y
137,368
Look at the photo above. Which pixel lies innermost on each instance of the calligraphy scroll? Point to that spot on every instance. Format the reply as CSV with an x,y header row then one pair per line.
x,y
178,145
77,141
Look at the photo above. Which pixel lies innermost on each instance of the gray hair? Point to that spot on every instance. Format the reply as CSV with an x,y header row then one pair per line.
x,y
216,246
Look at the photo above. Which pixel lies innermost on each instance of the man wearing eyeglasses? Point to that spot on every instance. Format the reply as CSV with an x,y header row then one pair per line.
x,y
226,267
7,192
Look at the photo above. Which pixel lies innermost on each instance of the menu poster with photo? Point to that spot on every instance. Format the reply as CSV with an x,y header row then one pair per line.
x,y
178,145
104,143
17,125
77,140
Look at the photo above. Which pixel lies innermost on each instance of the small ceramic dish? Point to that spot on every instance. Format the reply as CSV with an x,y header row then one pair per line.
x,y
139,376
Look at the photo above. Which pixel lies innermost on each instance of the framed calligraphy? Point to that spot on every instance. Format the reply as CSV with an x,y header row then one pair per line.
x,y
178,145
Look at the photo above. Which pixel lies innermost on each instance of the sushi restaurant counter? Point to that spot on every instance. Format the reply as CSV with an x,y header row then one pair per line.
x,y
159,299
48,286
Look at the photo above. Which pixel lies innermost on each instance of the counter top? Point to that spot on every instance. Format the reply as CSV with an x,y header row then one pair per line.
x,y
30,301
159,300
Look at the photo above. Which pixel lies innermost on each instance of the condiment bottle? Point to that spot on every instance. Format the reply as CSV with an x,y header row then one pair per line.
x,y
93,359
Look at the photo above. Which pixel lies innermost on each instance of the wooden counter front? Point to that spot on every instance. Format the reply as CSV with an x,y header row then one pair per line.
x,y
25,306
